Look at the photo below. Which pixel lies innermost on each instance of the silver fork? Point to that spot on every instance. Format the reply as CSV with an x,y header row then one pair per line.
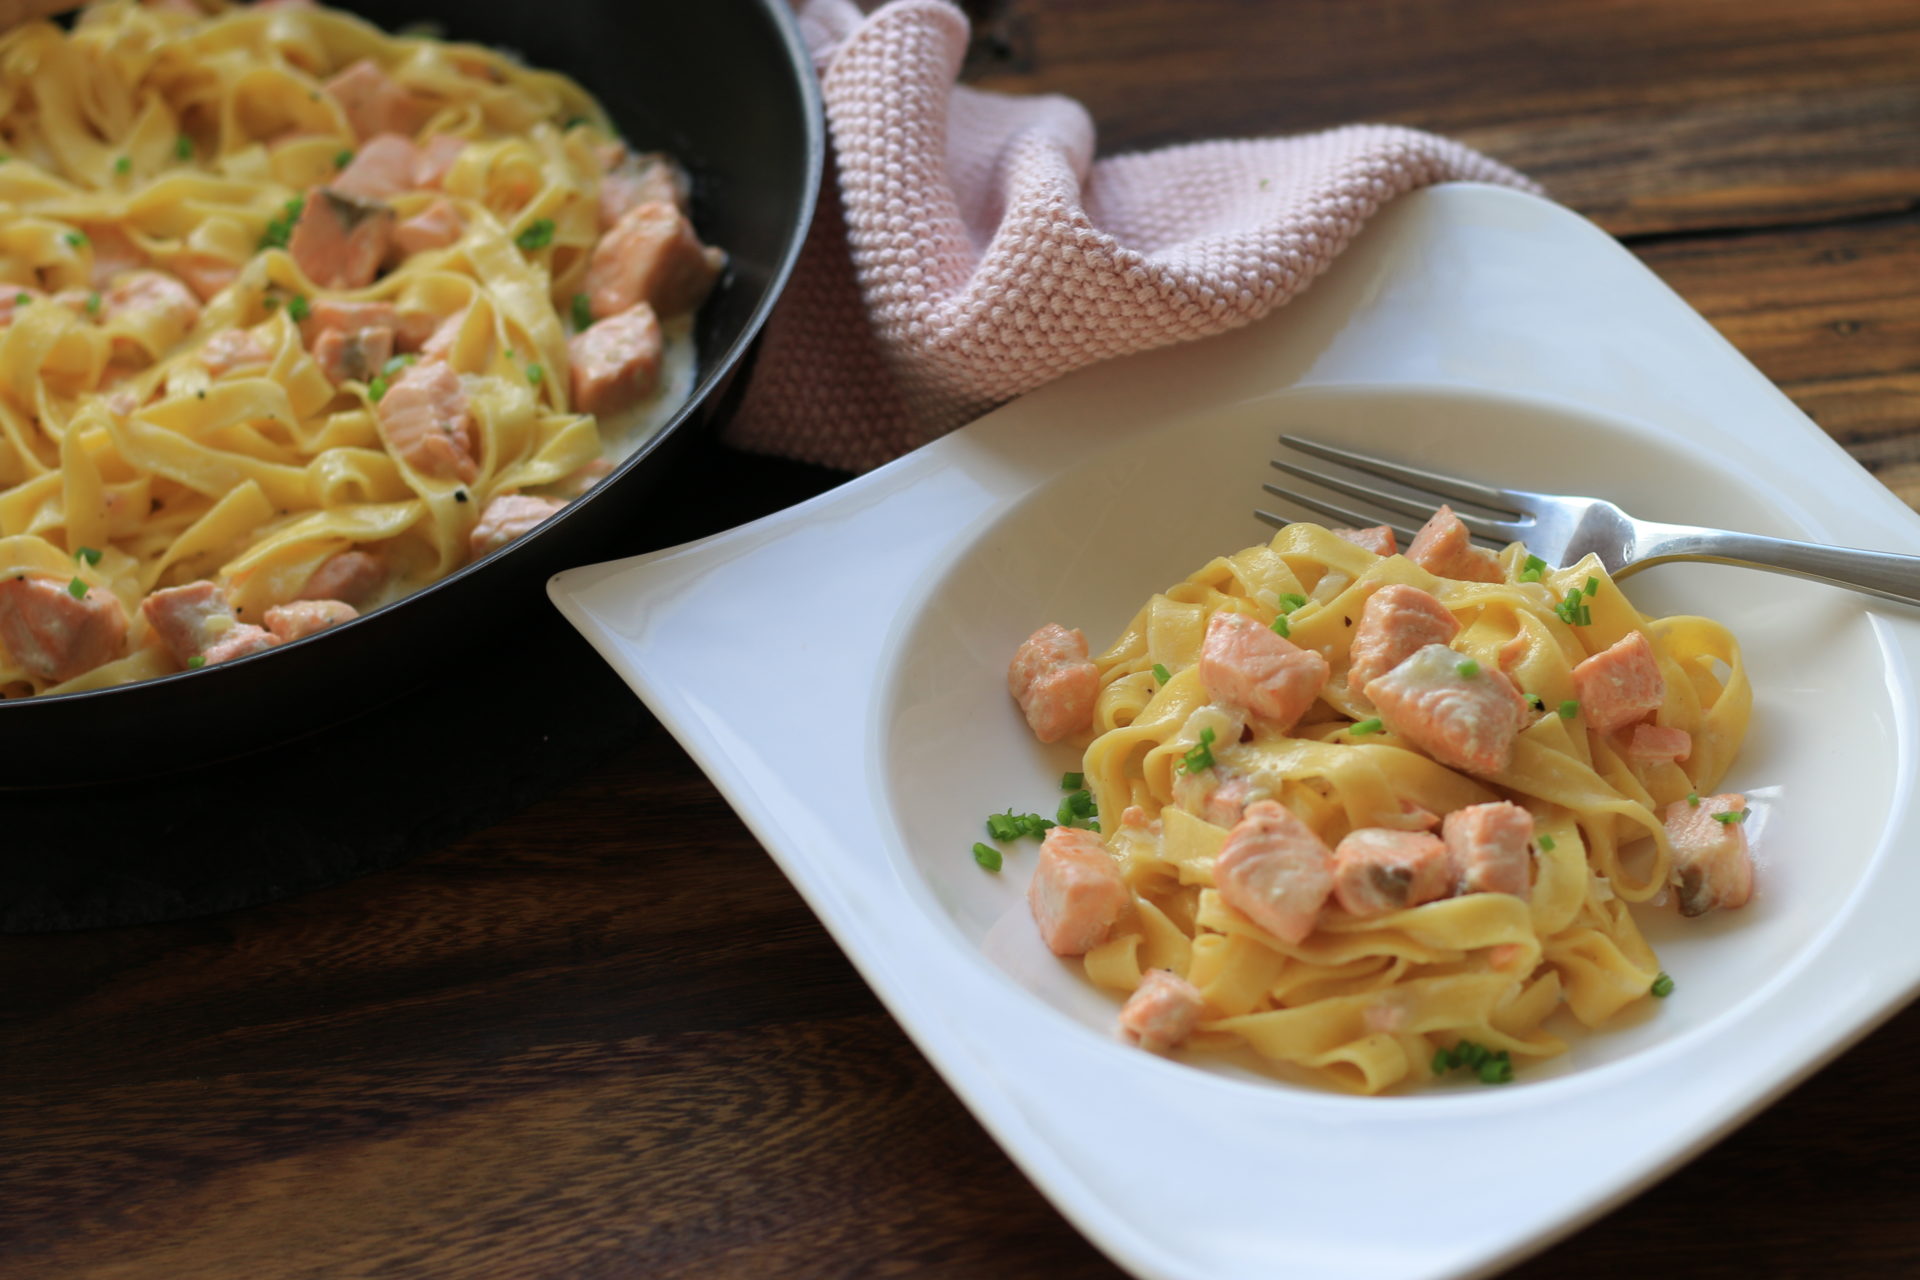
x,y
1561,528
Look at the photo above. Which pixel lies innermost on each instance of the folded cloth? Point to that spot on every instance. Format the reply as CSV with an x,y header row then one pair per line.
x,y
968,248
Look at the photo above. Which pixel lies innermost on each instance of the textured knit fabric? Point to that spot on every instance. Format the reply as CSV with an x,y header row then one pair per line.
x,y
968,247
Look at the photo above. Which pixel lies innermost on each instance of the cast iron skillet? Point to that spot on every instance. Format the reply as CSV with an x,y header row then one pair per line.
x,y
726,86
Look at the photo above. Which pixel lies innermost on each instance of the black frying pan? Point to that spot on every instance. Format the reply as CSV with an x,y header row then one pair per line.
x,y
724,85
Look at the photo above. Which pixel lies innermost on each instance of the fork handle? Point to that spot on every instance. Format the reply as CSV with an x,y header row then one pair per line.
x,y
1879,573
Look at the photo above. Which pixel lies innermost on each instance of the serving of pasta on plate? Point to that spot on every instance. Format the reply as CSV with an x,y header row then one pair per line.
x,y
1376,817
298,317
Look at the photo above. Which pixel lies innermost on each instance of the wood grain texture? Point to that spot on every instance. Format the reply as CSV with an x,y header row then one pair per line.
x,y
606,1039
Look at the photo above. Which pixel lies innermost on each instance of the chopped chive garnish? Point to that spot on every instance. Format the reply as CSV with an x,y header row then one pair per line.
x,y
1693,798
1535,701
298,308
987,856
1292,600
1572,612
536,375
183,148
1080,803
1468,669
93,304
1497,1069
270,303
87,554
376,388
1072,781
343,157
123,165
1281,628
74,239
1532,570
1001,826
1569,709
1593,585
1547,844
537,234
1373,725
1662,987
582,311
1030,824
77,589
1731,816
1442,1062
1161,674
279,232
196,662
22,299
396,364
1199,756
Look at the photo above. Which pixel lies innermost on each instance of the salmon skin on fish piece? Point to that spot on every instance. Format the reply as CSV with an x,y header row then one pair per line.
x,y
1396,622
340,241
1076,894
1275,871
1245,664
1377,870
1460,713
1054,683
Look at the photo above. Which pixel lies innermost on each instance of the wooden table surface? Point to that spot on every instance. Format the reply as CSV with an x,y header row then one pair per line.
x,y
605,1038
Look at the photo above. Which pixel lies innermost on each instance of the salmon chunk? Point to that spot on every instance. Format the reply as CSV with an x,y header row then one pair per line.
x,y
435,159
55,636
1463,721
1053,682
1379,539
632,180
651,255
1076,893
352,576
114,253
153,298
1487,848
352,355
302,618
340,241
1654,743
1377,870
427,422
339,313
616,362
434,227
374,102
1244,664
1444,548
381,169
1396,622
195,621
232,349
509,516
1620,684
208,275
1162,1011
1275,871
1711,862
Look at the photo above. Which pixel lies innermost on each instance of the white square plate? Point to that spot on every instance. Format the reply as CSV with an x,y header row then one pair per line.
x,y
839,670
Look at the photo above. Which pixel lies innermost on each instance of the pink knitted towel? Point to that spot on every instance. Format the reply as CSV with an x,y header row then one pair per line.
x,y
972,249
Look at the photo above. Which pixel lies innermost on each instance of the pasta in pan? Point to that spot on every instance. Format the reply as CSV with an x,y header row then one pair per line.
x,y
297,317
1274,740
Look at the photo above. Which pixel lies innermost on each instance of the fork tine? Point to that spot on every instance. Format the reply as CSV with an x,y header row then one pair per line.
x,y
1344,515
1450,487
1479,526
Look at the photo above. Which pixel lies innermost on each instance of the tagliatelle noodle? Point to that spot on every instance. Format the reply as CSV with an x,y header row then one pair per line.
x,y
1366,1004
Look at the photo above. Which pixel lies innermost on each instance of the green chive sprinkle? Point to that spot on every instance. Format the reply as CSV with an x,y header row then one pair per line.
x,y
183,147
1693,798
77,589
22,299
987,856
1535,701
1569,709
270,303
1072,781
1292,600
536,375
1199,756
87,554
279,232
1497,1069
537,234
1547,844
1662,987
1731,816
396,364
1281,628
93,304
1593,585
1161,674
1374,725
582,311
1031,824
298,308
343,157
1442,1062
74,239
1532,570
1468,669
123,165
376,389
196,662
1001,826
